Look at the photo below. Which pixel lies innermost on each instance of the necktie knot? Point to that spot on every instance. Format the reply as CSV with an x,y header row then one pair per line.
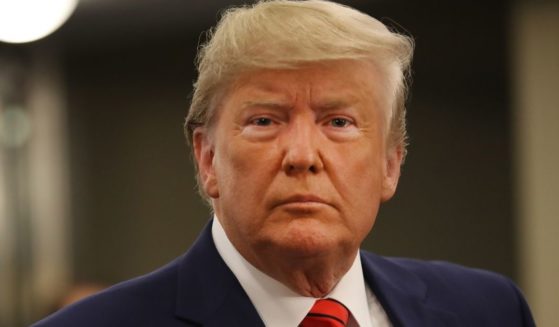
x,y
326,313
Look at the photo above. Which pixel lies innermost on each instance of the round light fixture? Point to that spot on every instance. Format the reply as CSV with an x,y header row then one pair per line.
x,y
29,20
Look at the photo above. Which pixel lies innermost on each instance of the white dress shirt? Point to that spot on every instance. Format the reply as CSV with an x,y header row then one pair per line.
x,y
279,306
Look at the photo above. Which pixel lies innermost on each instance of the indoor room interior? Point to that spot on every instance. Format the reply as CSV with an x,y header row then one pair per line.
x,y
97,181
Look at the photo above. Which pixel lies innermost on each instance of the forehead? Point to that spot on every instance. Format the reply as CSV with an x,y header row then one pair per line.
x,y
324,84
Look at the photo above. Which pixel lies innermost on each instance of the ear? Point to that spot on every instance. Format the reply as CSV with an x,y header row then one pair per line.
x,y
204,154
393,162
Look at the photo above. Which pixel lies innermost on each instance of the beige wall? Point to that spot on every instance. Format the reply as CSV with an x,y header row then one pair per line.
x,y
535,32
48,184
35,265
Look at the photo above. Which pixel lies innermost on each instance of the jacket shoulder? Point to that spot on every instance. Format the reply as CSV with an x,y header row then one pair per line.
x,y
472,294
135,302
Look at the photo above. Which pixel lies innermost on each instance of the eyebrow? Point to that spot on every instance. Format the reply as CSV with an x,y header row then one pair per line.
x,y
334,104
326,105
266,104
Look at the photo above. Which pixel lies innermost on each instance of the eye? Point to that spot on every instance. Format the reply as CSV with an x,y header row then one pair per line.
x,y
261,121
340,122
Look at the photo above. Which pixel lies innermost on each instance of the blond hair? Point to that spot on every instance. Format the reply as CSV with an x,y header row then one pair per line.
x,y
287,34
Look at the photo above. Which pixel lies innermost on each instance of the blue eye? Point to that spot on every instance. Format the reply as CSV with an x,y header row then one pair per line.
x,y
262,121
339,122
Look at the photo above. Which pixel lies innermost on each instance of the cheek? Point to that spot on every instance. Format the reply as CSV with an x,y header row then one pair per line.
x,y
244,168
358,178
244,175
361,167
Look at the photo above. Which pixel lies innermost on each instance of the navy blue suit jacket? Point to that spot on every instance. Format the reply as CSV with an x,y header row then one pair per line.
x,y
198,289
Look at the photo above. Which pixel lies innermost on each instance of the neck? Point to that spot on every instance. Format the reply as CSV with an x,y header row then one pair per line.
x,y
313,276
311,268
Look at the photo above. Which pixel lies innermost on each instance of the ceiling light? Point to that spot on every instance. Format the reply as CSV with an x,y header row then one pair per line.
x,y
29,20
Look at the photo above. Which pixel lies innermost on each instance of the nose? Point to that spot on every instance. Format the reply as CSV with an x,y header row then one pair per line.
x,y
302,148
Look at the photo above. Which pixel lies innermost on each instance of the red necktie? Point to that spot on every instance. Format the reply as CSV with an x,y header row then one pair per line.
x,y
326,313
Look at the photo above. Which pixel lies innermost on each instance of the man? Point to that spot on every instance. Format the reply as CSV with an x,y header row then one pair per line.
x,y
298,132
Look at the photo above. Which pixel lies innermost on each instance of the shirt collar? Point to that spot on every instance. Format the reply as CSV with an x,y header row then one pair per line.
x,y
278,305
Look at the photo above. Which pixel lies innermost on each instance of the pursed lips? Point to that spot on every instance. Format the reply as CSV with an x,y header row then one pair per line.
x,y
302,199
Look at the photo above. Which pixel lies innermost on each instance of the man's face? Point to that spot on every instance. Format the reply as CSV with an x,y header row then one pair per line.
x,y
296,162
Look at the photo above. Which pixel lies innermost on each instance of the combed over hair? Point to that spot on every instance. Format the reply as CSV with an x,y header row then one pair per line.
x,y
287,34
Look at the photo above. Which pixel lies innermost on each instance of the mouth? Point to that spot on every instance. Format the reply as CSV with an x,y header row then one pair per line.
x,y
302,202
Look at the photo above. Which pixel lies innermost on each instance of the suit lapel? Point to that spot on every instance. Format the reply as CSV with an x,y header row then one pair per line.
x,y
210,295
402,294
208,292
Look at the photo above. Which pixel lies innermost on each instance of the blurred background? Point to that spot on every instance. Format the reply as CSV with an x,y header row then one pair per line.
x,y
97,185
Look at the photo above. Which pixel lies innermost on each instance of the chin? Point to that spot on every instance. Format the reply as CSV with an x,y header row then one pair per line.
x,y
307,237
